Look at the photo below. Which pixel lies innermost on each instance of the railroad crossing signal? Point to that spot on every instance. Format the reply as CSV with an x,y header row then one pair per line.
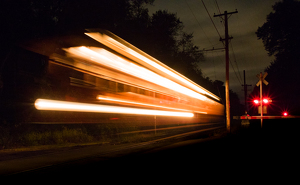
x,y
262,78
259,83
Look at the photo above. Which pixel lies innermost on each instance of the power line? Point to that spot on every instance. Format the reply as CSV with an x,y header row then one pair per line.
x,y
237,74
218,6
212,45
250,50
211,19
220,35
198,22
240,79
216,77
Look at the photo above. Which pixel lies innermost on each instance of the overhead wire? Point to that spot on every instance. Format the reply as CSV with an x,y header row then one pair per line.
x,y
235,73
238,73
212,45
251,52
218,6
198,22
234,59
212,53
211,19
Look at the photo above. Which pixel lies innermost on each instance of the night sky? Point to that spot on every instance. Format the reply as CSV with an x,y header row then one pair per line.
x,y
248,51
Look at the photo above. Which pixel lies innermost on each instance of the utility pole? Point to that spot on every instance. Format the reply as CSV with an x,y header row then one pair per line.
x,y
227,66
245,92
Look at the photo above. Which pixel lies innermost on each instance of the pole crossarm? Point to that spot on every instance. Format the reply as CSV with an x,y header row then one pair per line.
x,y
213,49
228,13
225,39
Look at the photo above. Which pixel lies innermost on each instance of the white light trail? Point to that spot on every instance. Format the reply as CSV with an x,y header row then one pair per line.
x,y
56,105
145,104
104,57
107,40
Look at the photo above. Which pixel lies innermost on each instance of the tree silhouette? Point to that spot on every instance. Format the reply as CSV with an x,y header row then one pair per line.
x,y
160,35
280,36
280,33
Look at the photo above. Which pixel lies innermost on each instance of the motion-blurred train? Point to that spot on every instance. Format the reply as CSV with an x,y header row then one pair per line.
x,y
98,77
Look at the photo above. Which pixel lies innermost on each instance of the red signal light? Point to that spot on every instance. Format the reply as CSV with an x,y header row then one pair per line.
x,y
266,101
285,113
256,101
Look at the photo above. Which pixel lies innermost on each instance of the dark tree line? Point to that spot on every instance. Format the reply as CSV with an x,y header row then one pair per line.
x,y
160,35
280,36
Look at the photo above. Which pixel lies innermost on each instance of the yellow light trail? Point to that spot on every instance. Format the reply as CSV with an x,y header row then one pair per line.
x,y
104,57
107,40
56,105
146,104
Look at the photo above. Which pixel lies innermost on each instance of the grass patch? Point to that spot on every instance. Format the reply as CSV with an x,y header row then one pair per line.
x,y
35,135
66,135
26,135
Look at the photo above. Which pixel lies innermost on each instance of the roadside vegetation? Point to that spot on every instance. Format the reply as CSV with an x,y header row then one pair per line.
x,y
28,135
56,135
36,135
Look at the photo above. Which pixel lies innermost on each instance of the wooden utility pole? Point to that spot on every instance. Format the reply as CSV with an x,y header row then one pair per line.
x,y
245,92
227,66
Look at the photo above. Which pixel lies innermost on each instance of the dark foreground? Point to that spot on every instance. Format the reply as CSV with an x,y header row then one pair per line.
x,y
248,155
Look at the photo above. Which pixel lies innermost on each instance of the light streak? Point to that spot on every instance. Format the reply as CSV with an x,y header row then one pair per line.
x,y
104,57
56,105
107,40
145,104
